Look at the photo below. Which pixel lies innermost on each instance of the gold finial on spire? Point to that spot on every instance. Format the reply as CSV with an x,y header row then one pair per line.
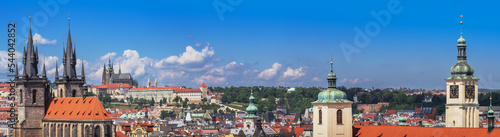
x,y
461,29
68,16
331,64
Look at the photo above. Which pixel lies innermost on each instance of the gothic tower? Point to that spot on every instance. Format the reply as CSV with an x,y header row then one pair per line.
x,y
332,111
462,107
69,84
32,93
107,72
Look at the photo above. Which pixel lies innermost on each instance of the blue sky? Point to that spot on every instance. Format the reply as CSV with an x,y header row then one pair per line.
x,y
243,42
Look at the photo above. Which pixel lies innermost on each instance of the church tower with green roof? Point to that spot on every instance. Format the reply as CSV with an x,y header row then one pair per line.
x,y
252,110
462,107
332,112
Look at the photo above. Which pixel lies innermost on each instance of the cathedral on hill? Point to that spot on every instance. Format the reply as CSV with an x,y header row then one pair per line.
x,y
108,76
66,112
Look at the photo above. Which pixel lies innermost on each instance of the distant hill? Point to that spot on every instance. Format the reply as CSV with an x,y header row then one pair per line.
x,y
488,90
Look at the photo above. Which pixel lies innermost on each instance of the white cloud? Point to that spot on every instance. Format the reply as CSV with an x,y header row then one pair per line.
x,y
271,72
232,68
316,79
4,60
293,74
38,39
191,56
108,56
209,79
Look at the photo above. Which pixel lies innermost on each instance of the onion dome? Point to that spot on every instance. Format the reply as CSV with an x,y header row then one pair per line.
x,y
332,94
251,109
462,70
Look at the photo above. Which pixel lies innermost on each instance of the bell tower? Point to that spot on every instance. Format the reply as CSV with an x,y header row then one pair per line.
x,y
462,107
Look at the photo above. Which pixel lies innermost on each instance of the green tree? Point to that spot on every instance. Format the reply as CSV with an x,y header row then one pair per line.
x,y
204,100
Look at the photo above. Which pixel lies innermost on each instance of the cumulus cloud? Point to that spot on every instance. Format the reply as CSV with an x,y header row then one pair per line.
x,y
316,79
271,72
212,79
191,55
43,41
108,56
354,81
293,74
232,68
4,60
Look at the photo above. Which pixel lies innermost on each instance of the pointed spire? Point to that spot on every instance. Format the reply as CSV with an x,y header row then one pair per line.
x,y
83,69
57,71
17,71
119,68
44,72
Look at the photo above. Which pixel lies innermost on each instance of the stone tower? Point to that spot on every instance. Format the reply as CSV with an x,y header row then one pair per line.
x,y
462,107
32,93
107,72
69,84
332,112
204,90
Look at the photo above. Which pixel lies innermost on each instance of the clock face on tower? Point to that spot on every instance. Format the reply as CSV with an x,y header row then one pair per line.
x,y
453,91
470,91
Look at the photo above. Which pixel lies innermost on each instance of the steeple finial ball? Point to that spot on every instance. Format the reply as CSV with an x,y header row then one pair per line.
x,y
461,16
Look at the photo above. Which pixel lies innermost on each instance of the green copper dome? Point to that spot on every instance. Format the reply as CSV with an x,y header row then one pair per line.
x,y
462,70
332,94
251,109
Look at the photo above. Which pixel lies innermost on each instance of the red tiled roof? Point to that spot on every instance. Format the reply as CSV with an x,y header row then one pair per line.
x,y
75,108
203,85
113,86
391,111
187,90
410,131
156,88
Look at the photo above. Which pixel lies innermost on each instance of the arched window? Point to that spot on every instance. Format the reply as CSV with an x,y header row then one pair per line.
x,y
97,131
33,96
74,93
320,117
60,93
339,116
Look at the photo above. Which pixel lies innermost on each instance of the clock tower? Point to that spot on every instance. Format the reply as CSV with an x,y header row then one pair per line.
x,y
461,92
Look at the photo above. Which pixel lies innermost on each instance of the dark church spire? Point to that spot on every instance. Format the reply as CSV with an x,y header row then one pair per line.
x,y
69,58
57,71
30,58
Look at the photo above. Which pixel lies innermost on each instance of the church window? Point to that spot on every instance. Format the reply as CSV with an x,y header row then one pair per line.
x,y
34,96
74,93
320,117
339,116
21,94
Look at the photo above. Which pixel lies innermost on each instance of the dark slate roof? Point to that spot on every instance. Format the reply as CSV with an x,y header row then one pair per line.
x,y
223,116
121,76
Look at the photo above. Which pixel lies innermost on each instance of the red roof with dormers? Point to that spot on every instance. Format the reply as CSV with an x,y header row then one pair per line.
x,y
156,88
76,108
203,85
187,90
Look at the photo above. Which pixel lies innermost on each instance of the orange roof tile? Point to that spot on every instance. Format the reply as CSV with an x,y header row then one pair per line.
x,y
203,85
76,108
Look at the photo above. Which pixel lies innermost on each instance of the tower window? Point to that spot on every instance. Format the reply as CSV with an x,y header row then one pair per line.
x,y
320,117
21,94
34,96
339,116
74,93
